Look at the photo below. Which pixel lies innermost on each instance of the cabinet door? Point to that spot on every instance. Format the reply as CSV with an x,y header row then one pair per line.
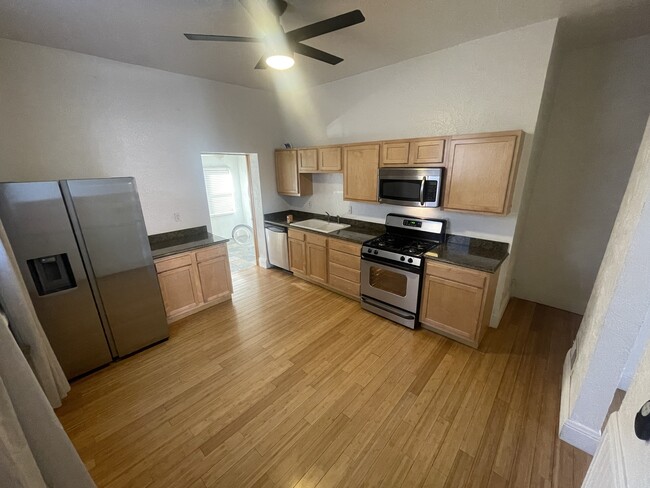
x,y
395,153
307,160
317,262
360,172
428,152
297,257
329,159
451,307
214,276
286,172
481,174
178,290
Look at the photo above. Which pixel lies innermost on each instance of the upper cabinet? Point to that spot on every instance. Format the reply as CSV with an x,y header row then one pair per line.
x,y
481,172
414,152
360,172
307,160
320,159
289,180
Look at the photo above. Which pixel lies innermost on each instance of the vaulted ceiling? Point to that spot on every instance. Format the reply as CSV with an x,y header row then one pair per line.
x,y
150,33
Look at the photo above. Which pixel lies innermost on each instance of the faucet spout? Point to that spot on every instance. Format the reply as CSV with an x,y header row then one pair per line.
x,y
328,216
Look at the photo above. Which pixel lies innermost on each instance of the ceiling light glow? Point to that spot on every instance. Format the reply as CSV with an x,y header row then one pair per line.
x,y
279,61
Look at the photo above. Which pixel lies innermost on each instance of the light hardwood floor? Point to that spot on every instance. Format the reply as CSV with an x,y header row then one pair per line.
x,y
293,385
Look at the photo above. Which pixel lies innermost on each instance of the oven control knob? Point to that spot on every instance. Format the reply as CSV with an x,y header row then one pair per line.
x,y
410,260
402,258
376,252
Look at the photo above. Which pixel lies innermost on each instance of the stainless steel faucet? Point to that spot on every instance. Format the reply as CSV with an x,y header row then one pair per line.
x,y
338,219
328,216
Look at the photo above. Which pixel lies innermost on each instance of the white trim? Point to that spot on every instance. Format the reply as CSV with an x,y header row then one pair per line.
x,y
607,468
580,436
576,434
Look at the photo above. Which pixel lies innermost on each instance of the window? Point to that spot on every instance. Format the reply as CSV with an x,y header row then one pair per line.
x,y
218,184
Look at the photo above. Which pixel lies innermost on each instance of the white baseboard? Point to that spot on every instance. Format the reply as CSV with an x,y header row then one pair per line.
x,y
572,432
580,436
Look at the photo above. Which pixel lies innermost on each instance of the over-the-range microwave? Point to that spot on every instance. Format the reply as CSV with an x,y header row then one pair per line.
x,y
411,187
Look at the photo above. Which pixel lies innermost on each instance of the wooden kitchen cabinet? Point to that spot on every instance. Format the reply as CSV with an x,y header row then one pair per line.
x,y
194,280
413,152
297,252
481,172
457,302
288,179
330,159
316,247
344,260
360,172
307,160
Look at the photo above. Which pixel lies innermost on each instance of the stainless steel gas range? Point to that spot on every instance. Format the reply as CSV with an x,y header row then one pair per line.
x,y
392,266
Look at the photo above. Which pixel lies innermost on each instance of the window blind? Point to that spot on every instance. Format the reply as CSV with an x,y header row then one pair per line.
x,y
219,187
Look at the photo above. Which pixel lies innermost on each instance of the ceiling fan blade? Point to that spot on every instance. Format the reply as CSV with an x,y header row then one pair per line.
x,y
324,26
209,37
261,64
312,52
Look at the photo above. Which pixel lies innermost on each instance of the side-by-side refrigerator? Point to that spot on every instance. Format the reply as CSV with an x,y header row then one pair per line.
x,y
84,255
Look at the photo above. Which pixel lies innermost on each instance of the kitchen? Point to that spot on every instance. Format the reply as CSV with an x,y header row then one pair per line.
x,y
276,377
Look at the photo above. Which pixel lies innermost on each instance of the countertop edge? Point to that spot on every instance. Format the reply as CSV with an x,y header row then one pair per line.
x,y
163,253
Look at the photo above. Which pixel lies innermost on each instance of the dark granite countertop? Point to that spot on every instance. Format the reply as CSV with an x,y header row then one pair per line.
x,y
359,230
470,252
183,240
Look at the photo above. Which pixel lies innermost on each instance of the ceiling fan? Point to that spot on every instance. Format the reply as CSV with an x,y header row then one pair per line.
x,y
281,45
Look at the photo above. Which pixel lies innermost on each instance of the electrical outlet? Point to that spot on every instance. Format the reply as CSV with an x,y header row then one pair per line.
x,y
309,204
177,217
350,209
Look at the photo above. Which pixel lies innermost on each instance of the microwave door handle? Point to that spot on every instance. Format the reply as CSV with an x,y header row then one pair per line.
x,y
424,180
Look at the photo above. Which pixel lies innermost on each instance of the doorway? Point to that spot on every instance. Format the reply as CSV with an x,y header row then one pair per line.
x,y
228,189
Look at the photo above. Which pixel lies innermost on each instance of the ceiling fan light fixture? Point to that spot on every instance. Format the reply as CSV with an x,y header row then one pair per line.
x,y
279,61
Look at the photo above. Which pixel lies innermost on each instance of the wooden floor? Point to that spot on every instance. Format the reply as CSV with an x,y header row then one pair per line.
x,y
292,385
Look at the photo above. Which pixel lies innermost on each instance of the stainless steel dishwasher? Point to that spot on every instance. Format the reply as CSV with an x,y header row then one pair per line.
x,y
277,246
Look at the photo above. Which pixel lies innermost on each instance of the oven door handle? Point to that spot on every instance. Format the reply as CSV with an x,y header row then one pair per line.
x,y
424,180
379,305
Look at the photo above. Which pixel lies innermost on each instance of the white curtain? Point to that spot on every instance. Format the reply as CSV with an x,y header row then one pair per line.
x,y
15,300
35,451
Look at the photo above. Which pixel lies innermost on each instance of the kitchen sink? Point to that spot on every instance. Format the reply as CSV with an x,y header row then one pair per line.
x,y
319,225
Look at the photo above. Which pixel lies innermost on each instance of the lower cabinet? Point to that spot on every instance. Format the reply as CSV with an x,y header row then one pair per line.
x,y
327,261
457,302
194,280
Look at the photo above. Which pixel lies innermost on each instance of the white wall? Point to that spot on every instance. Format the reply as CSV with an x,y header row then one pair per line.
x,y
617,309
69,115
599,109
490,84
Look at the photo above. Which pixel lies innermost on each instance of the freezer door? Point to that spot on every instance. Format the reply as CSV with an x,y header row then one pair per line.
x,y
114,243
37,225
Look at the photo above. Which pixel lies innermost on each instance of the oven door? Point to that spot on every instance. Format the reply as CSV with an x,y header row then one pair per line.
x,y
389,284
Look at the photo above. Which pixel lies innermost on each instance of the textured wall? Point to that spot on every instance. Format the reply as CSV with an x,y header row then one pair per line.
x,y
599,110
69,115
618,305
490,84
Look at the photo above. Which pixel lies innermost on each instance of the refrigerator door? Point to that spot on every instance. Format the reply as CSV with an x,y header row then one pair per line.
x,y
107,216
37,225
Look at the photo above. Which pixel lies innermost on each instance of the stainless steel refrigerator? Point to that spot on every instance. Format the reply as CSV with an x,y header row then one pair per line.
x,y
84,254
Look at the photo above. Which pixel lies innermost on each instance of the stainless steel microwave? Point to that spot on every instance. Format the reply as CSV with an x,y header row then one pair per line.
x,y
411,187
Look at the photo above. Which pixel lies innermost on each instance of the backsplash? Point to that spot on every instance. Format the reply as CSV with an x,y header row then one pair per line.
x,y
328,197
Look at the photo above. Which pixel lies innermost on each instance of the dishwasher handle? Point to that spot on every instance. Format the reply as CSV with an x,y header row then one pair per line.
x,y
275,228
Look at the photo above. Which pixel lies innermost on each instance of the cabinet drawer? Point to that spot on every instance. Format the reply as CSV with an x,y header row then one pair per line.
x,y
296,234
454,273
346,273
344,285
344,259
344,246
316,239
173,262
211,253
